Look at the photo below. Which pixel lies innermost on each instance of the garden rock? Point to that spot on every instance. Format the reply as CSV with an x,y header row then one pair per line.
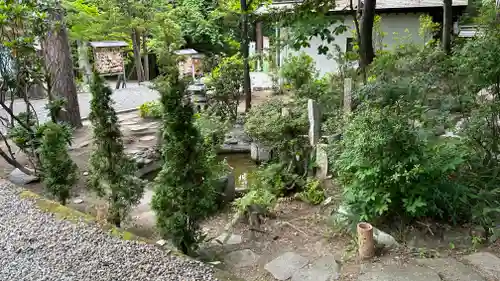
x,y
399,273
242,258
384,239
487,264
284,266
450,269
234,239
19,177
323,269
147,138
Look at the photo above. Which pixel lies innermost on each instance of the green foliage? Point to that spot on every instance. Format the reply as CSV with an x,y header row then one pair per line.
x,y
313,193
185,191
299,70
390,167
59,171
224,86
212,129
111,172
151,109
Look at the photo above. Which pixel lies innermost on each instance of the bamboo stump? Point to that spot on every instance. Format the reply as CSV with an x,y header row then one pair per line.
x,y
366,244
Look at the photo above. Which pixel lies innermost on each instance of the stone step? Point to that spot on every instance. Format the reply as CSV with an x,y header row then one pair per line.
x,y
449,269
486,263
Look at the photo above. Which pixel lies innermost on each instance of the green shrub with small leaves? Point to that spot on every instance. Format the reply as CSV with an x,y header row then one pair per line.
x,y
312,192
151,109
59,172
299,70
224,86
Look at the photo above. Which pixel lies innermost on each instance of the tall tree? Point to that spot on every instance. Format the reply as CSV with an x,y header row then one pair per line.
x,y
59,66
245,45
366,51
447,25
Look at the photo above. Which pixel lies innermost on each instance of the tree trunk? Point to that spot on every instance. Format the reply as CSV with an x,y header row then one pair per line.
x,y
447,25
245,44
59,64
84,62
367,53
136,45
146,58
497,6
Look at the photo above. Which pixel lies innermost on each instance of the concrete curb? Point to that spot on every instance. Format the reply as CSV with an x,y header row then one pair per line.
x,y
118,112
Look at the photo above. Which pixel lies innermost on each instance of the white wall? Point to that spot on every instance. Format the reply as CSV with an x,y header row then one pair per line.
x,y
402,24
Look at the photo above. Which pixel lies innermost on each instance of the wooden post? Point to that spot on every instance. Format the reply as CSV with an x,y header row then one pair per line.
x,y
347,95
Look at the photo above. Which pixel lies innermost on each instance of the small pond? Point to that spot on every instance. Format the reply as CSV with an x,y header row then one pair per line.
x,y
241,163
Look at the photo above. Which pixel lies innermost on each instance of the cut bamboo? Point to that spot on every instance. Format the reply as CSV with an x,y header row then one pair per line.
x,y
366,244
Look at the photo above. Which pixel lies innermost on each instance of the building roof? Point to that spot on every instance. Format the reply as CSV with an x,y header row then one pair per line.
x,y
342,5
108,44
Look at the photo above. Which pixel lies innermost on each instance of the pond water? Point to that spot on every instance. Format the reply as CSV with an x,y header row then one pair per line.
x,y
241,163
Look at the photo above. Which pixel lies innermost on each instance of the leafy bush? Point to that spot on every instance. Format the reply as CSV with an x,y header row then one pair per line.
x,y
111,173
224,87
299,70
313,193
59,172
151,109
389,167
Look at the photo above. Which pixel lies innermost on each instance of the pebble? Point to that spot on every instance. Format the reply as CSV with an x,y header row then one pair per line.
x,y
37,246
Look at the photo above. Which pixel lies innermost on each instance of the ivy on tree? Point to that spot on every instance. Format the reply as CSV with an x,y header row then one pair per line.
x,y
112,173
58,170
184,194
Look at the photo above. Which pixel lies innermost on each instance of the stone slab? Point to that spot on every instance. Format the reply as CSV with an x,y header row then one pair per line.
x,y
451,270
284,266
399,273
234,239
242,258
19,177
486,263
323,269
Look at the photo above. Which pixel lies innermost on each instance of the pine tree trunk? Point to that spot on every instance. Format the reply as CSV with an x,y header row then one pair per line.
x,y
245,44
137,54
447,25
59,64
146,58
367,53
83,61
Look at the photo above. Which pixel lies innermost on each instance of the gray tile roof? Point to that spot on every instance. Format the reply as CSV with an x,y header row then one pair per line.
x,y
388,4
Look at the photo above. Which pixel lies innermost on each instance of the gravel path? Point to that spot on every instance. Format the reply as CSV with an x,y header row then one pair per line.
x,y
34,245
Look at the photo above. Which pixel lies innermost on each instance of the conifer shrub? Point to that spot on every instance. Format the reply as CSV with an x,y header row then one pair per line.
x,y
185,189
112,173
59,172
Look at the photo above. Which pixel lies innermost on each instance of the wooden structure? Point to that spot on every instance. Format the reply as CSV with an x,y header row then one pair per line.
x,y
191,63
109,60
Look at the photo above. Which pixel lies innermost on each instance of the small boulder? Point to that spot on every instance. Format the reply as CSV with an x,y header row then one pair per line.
x,y
19,177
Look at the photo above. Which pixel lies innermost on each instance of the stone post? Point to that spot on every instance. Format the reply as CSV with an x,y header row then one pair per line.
x,y
347,95
314,122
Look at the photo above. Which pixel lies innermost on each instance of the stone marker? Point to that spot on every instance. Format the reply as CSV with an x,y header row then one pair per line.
x,y
323,269
451,270
321,162
399,273
19,177
314,122
347,95
487,264
284,266
242,258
